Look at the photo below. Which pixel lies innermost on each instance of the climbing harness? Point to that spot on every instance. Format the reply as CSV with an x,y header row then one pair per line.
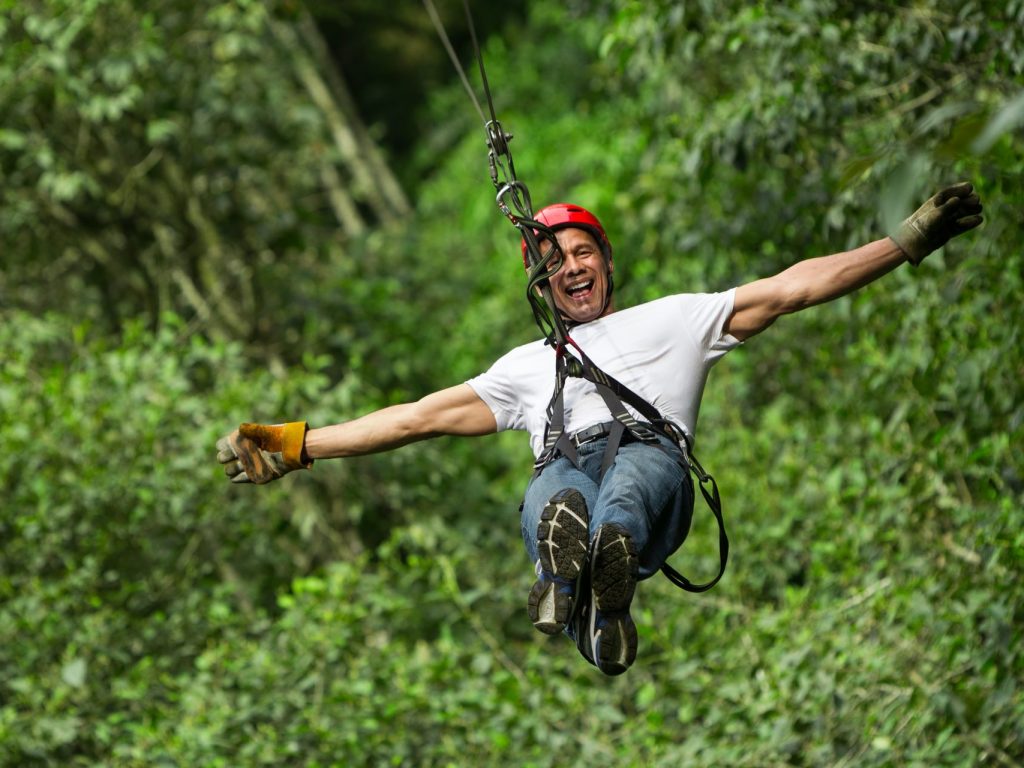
x,y
513,200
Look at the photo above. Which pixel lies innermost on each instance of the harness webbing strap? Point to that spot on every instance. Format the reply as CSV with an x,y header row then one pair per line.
x,y
558,442
715,502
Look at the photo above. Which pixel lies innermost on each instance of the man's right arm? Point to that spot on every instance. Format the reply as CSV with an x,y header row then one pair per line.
x,y
457,410
261,453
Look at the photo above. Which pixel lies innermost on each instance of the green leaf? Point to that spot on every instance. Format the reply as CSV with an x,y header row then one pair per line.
x,y
1007,119
160,130
900,193
73,673
12,139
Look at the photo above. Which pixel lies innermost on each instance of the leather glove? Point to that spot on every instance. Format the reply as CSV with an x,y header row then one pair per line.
x,y
259,453
949,213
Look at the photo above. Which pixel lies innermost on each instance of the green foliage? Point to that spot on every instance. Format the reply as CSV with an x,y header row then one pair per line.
x,y
867,445
123,553
174,156
789,130
391,54
371,612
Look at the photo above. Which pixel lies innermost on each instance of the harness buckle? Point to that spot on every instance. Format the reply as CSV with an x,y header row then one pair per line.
x,y
643,433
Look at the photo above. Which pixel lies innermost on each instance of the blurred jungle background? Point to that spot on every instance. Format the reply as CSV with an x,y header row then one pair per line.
x,y
213,212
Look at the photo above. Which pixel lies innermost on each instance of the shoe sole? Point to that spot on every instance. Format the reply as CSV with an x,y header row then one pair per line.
x,y
614,569
562,549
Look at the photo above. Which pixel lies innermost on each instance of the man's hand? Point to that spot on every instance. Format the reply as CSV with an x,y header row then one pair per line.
x,y
259,453
951,212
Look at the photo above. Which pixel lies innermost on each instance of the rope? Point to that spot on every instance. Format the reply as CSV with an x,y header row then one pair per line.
x,y
479,59
439,26
513,197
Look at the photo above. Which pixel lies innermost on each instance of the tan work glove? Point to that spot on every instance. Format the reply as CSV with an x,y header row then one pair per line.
x,y
259,453
951,212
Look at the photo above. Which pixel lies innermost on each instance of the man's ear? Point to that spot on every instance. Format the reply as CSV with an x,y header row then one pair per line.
x,y
611,266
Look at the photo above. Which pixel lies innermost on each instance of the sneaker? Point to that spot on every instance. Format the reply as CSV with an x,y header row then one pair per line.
x,y
604,631
562,552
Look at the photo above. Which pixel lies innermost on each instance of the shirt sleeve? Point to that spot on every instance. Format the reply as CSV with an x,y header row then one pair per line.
x,y
495,387
707,315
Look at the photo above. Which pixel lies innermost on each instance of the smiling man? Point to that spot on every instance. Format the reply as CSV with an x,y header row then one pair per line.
x,y
593,530
583,285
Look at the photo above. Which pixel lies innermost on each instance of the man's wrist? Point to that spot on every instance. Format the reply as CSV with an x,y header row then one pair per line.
x,y
911,242
293,445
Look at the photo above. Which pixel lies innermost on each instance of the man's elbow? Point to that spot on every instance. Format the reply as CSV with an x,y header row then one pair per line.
x,y
791,296
420,421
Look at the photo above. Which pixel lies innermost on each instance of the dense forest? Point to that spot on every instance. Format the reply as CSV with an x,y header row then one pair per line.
x,y
243,210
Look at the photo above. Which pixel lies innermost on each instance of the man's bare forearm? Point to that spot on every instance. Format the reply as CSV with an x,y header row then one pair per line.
x,y
818,280
810,282
453,411
382,430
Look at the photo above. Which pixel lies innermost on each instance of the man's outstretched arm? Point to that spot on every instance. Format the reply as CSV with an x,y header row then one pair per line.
x,y
259,453
810,282
952,211
454,411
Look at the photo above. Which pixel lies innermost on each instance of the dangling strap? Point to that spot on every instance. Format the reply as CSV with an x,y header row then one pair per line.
x,y
714,500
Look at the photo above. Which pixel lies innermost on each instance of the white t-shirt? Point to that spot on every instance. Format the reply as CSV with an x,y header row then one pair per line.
x,y
662,350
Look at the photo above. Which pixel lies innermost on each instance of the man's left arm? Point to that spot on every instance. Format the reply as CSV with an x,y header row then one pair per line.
x,y
757,305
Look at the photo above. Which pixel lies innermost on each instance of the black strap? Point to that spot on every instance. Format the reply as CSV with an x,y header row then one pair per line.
x,y
715,502
556,440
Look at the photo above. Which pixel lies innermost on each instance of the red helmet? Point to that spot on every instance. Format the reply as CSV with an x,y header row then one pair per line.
x,y
563,215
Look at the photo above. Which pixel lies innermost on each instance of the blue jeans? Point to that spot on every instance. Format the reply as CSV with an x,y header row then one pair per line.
x,y
646,491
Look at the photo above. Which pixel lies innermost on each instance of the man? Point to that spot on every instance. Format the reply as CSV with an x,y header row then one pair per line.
x,y
592,531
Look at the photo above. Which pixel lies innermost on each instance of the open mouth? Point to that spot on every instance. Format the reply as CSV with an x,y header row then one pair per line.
x,y
580,289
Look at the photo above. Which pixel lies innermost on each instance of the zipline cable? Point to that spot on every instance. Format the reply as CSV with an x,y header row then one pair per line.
x,y
479,59
439,26
513,196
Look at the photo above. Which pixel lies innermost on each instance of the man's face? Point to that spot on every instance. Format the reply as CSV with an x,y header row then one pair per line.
x,y
581,285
